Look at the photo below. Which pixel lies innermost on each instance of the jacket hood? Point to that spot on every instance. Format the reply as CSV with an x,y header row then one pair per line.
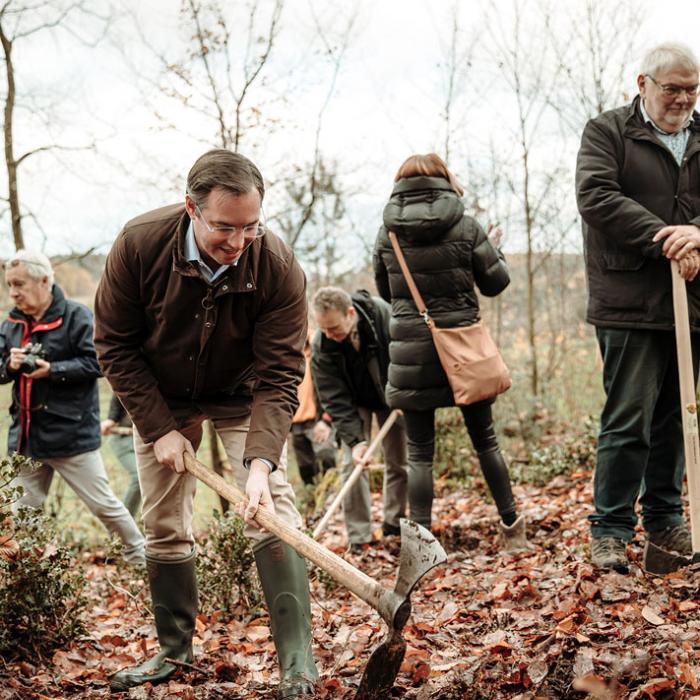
x,y
422,209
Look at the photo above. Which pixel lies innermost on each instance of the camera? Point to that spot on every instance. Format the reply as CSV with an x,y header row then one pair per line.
x,y
33,352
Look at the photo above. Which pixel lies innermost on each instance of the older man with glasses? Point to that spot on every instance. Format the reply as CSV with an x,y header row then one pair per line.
x,y
199,315
47,354
638,190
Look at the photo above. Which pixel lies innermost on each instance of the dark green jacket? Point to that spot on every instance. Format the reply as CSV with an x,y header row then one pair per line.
x,y
628,187
332,376
448,254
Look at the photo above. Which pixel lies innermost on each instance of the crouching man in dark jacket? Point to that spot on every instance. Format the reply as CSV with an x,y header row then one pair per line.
x,y
349,361
201,313
55,409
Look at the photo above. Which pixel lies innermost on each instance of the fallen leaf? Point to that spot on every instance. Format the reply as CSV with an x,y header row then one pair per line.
x,y
651,616
257,634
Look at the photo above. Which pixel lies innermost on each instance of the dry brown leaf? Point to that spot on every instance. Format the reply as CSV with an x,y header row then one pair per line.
x,y
651,616
257,634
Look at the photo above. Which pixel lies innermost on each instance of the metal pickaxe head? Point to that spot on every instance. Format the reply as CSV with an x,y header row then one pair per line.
x,y
660,561
420,552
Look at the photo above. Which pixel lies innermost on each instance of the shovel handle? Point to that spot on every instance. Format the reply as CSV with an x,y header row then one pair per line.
x,y
689,409
359,583
356,472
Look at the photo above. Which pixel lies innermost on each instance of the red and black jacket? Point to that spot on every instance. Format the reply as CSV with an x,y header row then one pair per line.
x,y
58,416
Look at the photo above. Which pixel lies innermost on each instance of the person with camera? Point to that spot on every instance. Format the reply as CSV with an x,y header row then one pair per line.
x,y
201,314
49,356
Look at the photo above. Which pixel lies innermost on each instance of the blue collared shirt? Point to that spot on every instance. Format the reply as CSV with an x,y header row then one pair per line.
x,y
192,253
675,142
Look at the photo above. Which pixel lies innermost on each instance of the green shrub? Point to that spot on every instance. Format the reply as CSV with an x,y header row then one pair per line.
x,y
576,451
226,568
41,588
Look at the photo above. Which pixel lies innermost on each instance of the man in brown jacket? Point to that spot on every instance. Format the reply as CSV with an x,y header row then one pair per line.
x,y
638,183
201,313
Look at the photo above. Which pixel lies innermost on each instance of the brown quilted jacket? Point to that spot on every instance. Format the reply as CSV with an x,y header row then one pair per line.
x,y
174,347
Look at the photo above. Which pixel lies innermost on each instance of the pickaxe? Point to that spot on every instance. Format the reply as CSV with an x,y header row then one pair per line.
x,y
657,560
356,472
420,552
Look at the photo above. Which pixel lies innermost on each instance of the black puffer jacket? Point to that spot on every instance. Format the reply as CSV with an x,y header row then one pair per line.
x,y
58,416
448,253
333,377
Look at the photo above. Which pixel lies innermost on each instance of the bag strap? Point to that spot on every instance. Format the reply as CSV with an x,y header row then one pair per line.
x,y
417,298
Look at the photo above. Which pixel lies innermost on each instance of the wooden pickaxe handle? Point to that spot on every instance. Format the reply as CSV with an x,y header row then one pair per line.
x,y
363,586
120,430
356,472
689,409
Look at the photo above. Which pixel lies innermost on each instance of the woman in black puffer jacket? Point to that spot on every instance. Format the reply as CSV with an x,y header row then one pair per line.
x,y
448,253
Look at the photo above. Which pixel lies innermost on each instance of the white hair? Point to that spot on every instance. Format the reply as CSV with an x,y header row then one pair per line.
x,y
669,55
37,264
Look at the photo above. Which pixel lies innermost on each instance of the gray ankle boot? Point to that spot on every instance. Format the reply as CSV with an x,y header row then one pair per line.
x,y
286,587
174,592
514,536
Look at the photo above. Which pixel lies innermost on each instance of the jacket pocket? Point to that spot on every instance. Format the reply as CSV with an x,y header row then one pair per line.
x,y
622,283
622,262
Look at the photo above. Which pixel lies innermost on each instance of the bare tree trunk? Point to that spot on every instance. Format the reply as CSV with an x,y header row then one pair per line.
x,y
10,162
530,267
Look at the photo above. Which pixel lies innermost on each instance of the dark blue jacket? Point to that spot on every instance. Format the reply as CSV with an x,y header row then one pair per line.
x,y
58,416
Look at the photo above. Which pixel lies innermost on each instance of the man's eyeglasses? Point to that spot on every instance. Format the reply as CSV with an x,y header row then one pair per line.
x,y
251,232
674,90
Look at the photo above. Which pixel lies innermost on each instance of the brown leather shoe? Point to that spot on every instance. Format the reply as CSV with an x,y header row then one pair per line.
x,y
675,538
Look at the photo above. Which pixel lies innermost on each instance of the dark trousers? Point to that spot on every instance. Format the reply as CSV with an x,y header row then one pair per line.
x,y
313,458
420,432
640,446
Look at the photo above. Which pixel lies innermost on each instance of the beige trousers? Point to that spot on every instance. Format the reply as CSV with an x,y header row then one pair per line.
x,y
168,497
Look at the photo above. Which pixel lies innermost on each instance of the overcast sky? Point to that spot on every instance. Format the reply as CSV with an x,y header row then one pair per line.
x,y
386,105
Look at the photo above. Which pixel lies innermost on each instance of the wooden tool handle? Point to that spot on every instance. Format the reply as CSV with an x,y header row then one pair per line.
x,y
363,586
689,409
356,472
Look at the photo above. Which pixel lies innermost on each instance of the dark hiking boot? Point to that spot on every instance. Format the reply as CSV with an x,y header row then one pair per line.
x,y
389,530
286,587
610,553
675,538
174,593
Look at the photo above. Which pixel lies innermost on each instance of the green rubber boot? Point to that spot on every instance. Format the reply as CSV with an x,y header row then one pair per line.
x,y
174,593
286,586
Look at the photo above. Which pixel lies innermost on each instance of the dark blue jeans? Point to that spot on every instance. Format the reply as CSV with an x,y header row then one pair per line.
x,y
640,446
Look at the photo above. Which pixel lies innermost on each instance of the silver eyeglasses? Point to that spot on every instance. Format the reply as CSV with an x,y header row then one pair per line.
x,y
674,90
251,232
